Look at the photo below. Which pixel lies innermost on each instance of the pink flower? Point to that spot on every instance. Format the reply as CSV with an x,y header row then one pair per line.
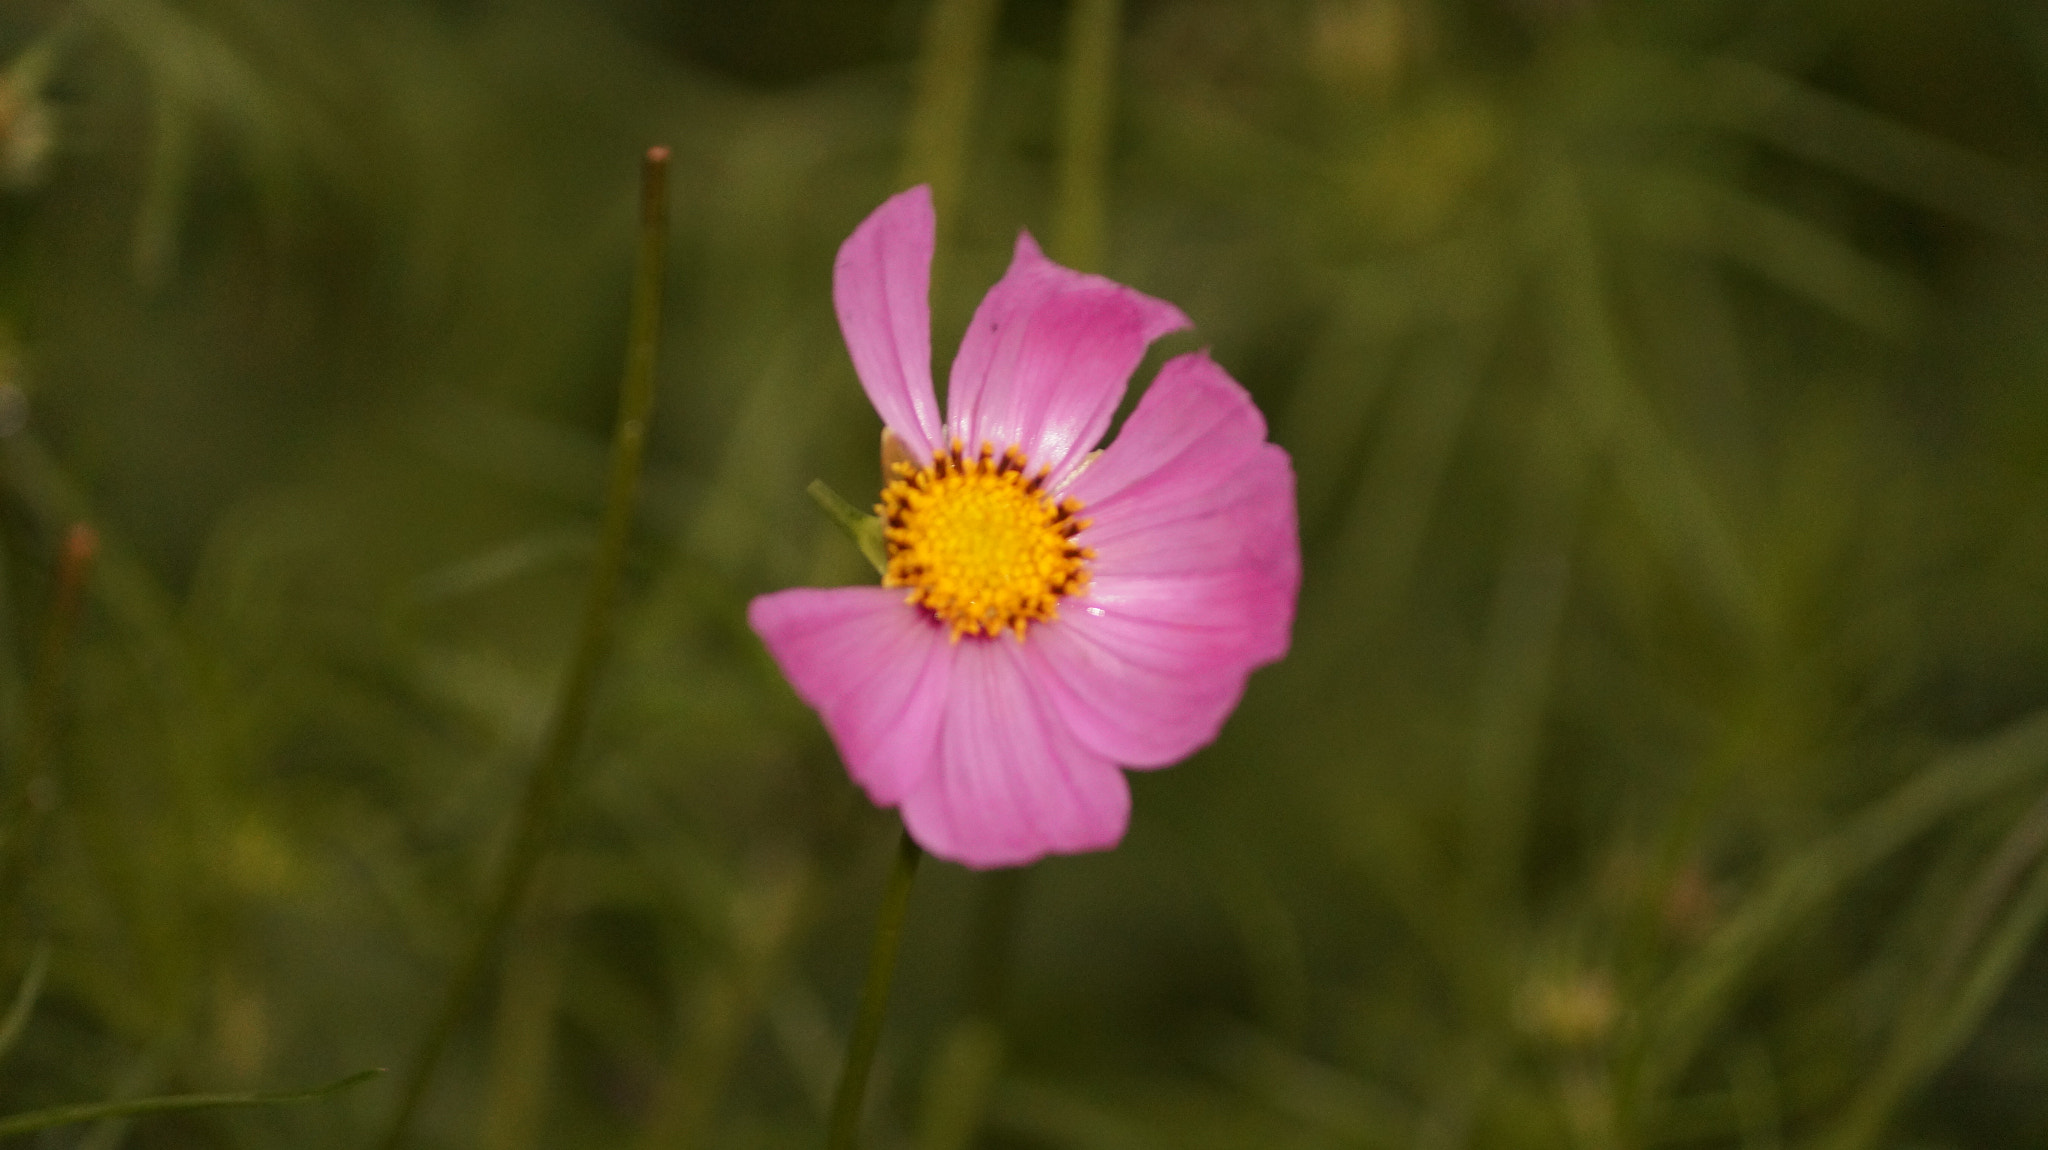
x,y
1049,616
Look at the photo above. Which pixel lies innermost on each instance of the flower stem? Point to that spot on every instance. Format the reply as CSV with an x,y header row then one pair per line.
x,y
874,1000
539,806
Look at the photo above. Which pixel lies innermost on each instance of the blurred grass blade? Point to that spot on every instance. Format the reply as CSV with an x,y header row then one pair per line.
x,y
75,561
539,807
950,64
1700,992
1798,255
30,793
1087,113
1532,586
37,1120
773,435
24,1005
1909,1063
1884,153
1397,497
497,566
958,1084
1952,1001
122,585
1677,509
759,919
1350,367
1354,1111
1674,505
201,78
1046,1114
160,213
962,1076
2000,960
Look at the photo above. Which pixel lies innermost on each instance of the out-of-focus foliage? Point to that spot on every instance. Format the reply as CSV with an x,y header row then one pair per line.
x,y
1663,758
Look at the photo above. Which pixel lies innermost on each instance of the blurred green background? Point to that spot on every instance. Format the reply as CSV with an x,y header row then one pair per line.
x,y
1663,755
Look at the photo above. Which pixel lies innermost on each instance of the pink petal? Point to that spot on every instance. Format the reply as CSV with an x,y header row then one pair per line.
x,y
875,669
1044,364
1014,785
1146,670
1196,572
1191,483
881,286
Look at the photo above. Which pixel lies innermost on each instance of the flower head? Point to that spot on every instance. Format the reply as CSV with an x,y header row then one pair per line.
x,y
1049,615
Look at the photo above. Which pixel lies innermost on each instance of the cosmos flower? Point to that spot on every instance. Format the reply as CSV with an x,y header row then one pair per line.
x,y
1049,614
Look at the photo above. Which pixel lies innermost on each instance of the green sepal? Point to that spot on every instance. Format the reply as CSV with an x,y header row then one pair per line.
x,y
864,529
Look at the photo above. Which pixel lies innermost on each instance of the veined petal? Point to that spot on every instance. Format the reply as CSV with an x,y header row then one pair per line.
x,y
875,669
1193,519
1247,612
1191,485
1014,784
1143,692
1196,572
1046,359
881,287
1193,427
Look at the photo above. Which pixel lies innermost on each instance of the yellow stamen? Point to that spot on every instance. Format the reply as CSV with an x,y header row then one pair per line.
x,y
980,543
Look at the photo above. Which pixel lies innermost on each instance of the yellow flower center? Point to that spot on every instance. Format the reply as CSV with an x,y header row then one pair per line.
x,y
979,542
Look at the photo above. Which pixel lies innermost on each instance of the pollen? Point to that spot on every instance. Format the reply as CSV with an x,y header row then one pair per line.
x,y
980,543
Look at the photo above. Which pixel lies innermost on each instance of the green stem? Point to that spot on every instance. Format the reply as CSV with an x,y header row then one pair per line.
x,y
539,807
874,1000
1087,109
952,60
